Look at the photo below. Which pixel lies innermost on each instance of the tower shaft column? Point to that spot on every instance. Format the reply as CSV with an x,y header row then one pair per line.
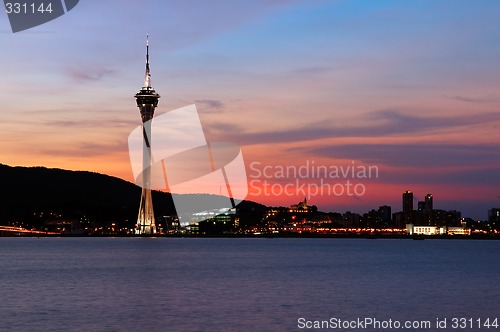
x,y
146,219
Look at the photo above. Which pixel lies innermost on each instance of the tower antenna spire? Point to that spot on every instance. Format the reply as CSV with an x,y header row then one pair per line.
x,y
147,77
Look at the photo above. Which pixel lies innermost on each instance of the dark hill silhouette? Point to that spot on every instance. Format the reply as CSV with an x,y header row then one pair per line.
x,y
29,190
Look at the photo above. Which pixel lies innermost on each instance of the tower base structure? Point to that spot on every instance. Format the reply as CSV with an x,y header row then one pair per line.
x,y
146,219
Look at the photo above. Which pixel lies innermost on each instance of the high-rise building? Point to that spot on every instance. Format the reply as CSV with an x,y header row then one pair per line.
x,y
408,207
494,218
147,100
428,203
428,210
385,214
407,202
424,214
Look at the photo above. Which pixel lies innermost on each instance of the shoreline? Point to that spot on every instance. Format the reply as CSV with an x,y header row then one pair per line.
x,y
265,236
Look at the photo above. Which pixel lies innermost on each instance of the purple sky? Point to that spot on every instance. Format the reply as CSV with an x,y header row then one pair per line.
x,y
410,86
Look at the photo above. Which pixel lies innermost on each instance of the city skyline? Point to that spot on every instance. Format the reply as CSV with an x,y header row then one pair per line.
x,y
112,210
411,88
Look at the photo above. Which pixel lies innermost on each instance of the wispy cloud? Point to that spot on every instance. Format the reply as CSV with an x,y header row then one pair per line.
x,y
397,122
210,105
314,70
414,155
384,123
482,100
96,123
429,165
88,149
81,74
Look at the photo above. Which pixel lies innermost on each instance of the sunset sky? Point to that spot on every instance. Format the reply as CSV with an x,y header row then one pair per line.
x,y
412,87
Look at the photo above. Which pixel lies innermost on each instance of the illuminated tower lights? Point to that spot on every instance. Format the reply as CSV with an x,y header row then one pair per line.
x,y
147,100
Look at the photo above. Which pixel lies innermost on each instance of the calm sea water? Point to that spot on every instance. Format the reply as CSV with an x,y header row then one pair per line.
x,y
196,284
